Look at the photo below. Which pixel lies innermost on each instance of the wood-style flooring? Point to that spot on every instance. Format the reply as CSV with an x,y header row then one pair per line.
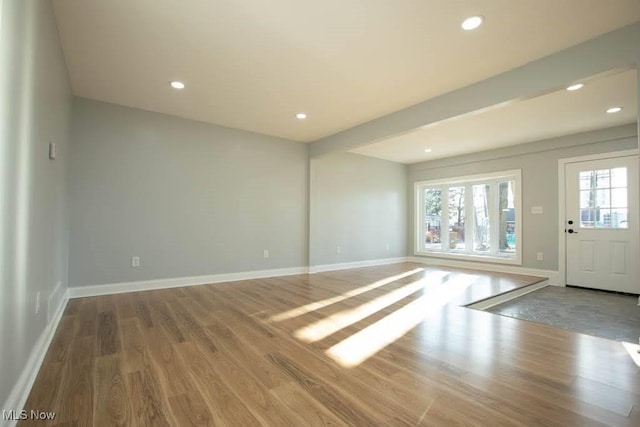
x,y
383,346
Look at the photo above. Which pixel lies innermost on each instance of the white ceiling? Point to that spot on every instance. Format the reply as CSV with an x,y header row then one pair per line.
x,y
555,114
253,64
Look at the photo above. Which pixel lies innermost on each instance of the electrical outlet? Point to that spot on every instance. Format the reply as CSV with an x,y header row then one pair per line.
x,y
387,246
265,253
37,302
135,261
540,256
338,249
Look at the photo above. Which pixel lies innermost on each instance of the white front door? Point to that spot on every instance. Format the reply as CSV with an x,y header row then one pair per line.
x,y
602,224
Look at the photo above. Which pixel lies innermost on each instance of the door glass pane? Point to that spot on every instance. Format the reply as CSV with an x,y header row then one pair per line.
x,y
602,198
602,178
456,219
432,217
587,218
507,218
619,177
619,197
586,180
619,218
481,235
586,199
601,190
605,218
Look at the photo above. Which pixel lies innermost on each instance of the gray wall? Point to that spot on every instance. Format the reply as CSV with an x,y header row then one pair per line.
x,y
189,198
539,164
358,203
35,108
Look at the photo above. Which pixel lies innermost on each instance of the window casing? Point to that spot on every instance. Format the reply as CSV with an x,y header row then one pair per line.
x,y
476,217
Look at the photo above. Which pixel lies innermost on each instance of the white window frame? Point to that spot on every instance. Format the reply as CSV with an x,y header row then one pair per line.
x,y
486,178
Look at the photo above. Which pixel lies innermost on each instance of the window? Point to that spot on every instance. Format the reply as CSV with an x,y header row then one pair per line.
x,y
603,198
475,216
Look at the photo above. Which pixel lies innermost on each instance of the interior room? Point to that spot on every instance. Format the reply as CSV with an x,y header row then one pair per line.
x,y
421,212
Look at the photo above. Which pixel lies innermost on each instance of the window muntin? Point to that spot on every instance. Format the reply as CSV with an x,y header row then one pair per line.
x,y
474,216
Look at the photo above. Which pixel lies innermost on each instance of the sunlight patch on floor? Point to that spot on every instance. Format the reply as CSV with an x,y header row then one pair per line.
x,y
337,321
307,308
360,346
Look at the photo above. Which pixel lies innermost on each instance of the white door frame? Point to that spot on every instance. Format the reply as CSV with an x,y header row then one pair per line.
x,y
562,245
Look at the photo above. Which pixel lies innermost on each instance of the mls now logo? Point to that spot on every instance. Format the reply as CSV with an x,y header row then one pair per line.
x,y
27,415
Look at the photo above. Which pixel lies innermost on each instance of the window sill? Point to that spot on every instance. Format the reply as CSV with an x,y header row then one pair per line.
x,y
470,257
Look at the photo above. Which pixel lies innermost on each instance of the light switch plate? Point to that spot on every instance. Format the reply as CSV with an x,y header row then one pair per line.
x,y
537,210
53,150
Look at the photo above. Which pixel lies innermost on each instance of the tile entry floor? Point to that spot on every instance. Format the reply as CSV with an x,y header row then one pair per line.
x,y
592,312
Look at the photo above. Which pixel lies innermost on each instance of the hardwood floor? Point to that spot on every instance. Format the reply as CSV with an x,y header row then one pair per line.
x,y
386,345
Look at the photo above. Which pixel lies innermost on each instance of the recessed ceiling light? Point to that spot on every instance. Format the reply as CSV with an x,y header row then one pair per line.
x,y
427,150
472,23
301,116
177,85
575,87
614,110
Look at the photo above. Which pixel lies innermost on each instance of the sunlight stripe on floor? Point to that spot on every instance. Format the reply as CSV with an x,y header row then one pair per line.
x,y
326,302
360,346
337,321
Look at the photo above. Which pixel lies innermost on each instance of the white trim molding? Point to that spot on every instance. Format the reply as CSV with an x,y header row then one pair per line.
x,y
20,392
178,282
357,264
552,275
562,256
443,186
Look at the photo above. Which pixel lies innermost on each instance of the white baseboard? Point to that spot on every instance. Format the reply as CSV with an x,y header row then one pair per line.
x,y
55,298
178,282
552,275
356,264
22,388
147,285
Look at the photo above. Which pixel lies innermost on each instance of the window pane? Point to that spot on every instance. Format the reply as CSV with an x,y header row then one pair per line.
x,y
481,235
507,218
619,177
605,222
432,217
618,218
602,178
619,197
601,217
474,216
586,199
602,198
456,219
586,178
587,218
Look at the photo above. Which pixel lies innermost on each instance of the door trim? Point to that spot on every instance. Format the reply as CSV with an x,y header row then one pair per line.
x,y
562,246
